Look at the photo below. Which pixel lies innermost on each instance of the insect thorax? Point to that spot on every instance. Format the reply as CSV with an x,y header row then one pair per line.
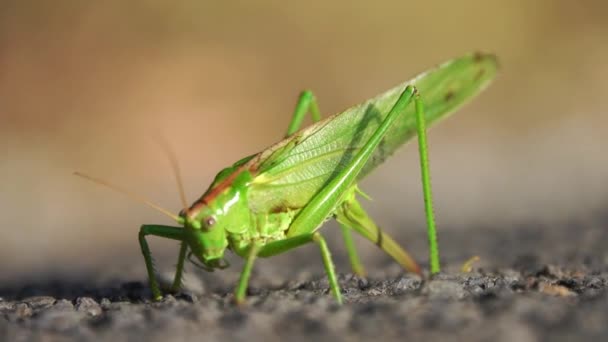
x,y
265,228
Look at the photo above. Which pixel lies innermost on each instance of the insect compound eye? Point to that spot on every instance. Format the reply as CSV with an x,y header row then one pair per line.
x,y
209,222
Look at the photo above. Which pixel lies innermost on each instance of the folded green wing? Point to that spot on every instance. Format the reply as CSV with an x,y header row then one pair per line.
x,y
290,172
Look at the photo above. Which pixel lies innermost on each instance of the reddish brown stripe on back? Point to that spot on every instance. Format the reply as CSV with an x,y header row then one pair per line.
x,y
219,188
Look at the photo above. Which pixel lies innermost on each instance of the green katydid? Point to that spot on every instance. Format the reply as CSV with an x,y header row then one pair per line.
x,y
277,199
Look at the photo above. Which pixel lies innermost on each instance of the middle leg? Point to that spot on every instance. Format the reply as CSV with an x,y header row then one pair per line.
x,y
280,246
307,103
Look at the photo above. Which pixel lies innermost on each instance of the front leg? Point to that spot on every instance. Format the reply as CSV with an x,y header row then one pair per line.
x,y
173,233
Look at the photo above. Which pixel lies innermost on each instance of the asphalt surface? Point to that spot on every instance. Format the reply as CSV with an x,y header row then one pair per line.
x,y
533,283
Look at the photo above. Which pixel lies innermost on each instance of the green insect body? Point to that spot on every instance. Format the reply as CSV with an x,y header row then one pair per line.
x,y
277,199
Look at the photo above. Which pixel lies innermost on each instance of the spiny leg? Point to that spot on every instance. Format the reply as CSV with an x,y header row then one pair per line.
x,y
168,232
241,288
179,268
280,246
306,103
353,257
426,187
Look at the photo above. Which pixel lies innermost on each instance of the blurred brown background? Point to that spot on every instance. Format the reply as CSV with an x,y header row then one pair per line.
x,y
90,85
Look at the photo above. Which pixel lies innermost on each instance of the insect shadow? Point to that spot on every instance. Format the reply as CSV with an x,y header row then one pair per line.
x,y
70,289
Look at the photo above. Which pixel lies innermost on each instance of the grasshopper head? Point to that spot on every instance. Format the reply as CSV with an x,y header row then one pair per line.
x,y
210,219
207,239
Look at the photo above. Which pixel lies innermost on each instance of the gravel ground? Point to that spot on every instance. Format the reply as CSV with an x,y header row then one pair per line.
x,y
533,283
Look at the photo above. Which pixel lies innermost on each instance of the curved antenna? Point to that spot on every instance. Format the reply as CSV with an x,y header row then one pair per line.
x,y
132,195
176,172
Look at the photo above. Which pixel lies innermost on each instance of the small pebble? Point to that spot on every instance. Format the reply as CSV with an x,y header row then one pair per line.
x,y
23,310
7,306
406,284
40,302
445,289
88,305
63,305
105,303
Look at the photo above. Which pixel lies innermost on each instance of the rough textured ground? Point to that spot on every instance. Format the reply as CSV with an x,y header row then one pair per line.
x,y
533,283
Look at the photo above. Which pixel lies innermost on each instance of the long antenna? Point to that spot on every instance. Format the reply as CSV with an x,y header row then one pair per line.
x,y
176,172
132,195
